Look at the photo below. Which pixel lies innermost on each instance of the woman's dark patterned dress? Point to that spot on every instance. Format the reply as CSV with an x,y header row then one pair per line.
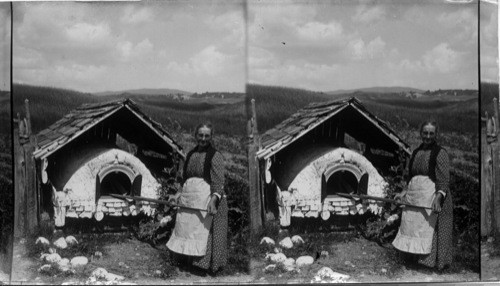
x,y
442,249
216,256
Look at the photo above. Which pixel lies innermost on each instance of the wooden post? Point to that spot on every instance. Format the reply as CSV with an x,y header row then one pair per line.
x,y
19,205
253,172
25,184
486,184
495,198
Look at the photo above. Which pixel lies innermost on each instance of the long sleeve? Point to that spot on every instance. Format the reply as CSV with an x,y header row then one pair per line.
x,y
217,174
443,172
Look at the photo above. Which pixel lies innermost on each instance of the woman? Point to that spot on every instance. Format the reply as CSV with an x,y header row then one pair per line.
x,y
200,237
427,234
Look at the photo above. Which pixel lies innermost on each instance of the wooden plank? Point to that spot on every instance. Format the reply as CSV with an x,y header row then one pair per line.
x,y
486,186
19,199
31,191
495,203
253,173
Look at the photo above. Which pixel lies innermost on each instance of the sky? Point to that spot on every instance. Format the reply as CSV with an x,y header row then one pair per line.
x,y
5,46
489,42
94,47
349,44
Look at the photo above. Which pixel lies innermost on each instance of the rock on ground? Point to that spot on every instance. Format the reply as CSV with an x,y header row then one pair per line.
x,y
267,240
286,243
61,243
42,240
328,275
297,239
53,258
63,263
304,260
276,257
71,240
270,268
79,261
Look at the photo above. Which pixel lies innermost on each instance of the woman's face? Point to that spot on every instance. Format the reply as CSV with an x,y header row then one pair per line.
x,y
428,134
203,136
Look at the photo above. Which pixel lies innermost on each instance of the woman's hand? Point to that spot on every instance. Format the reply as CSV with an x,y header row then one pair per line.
x,y
399,196
172,199
212,205
436,203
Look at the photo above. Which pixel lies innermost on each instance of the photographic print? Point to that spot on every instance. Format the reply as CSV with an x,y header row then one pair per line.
x,y
131,137
7,202
490,197
365,151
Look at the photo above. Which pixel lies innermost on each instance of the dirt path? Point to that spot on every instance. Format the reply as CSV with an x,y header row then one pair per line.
x,y
490,264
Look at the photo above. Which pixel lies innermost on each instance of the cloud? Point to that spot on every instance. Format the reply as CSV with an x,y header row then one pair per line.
x,y
316,31
208,62
232,24
129,51
374,49
369,14
465,21
296,74
489,29
88,33
134,15
441,59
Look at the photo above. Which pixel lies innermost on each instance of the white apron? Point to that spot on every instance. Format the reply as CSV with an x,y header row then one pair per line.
x,y
417,225
192,227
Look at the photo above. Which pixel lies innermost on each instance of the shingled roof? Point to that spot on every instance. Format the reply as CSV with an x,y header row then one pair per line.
x,y
313,115
83,118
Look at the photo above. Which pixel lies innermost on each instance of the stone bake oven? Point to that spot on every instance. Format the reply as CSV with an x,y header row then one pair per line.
x,y
102,149
323,149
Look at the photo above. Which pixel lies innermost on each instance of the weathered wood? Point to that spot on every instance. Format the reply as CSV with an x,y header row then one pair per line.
x,y
19,206
495,205
253,173
486,185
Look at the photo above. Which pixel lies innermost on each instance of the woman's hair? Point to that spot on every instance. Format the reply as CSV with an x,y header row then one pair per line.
x,y
431,122
205,124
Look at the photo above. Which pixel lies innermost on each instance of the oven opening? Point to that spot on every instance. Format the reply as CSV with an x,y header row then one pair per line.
x,y
116,183
342,181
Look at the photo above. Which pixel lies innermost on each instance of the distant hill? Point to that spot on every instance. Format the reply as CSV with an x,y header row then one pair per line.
x,y
411,93
227,112
145,91
381,89
274,104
